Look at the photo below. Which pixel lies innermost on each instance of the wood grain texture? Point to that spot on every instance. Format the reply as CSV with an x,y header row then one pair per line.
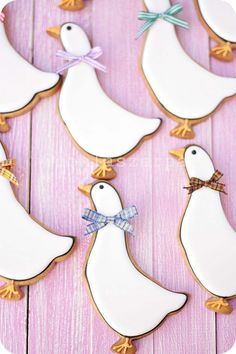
x,y
13,316
224,147
193,330
57,316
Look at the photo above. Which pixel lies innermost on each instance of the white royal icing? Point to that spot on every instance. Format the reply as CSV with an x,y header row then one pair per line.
x,y
206,235
26,248
129,302
3,350
232,350
220,15
98,125
19,80
183,87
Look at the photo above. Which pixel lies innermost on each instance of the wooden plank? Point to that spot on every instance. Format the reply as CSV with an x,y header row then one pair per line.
x,y
59,313
224,147
13,318
114,28
193,329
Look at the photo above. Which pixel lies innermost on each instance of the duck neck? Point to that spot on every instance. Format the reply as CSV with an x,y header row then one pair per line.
x,y
84,79
110,244
157,5
6,192
207,200
160,33
3,35
6,48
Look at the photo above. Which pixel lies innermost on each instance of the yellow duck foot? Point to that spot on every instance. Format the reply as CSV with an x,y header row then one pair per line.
x,y
223,52
10,291
183,131
104,171
72,5
124,346
4,127
219,305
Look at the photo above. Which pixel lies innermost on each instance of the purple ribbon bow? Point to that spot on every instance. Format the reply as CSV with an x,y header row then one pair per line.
x,y
89,58
2,17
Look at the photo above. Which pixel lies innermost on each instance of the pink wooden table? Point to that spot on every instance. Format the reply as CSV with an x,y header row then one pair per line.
x,y
56,316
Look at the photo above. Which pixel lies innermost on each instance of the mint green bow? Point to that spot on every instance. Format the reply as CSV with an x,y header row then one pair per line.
x,y
169,15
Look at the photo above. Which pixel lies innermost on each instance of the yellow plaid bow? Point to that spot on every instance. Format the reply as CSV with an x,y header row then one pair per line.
x,y
196,183
5,172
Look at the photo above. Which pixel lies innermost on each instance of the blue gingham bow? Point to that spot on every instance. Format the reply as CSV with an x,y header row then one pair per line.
x,y
169,15
98,221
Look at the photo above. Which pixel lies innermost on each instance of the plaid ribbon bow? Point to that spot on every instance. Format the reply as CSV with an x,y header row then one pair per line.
x,y
196,183
99,220
169,15
5,172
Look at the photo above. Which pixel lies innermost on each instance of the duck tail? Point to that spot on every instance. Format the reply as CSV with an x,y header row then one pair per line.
x,y
154,125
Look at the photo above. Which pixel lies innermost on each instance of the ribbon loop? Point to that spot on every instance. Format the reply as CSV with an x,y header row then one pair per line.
x,y
98,221
89,58
169,15
5,167
196,183
2,17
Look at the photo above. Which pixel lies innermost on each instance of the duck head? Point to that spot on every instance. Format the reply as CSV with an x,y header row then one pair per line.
x,y
73,38
104,197
197,161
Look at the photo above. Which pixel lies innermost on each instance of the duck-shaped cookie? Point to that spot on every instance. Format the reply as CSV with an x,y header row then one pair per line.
x,y
184,90
219,19
71,5
21,84
28,251
207,239
100,127
130,302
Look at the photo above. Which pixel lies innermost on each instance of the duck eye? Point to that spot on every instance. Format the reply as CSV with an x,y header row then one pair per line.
x,y
69,28
194,152
101,186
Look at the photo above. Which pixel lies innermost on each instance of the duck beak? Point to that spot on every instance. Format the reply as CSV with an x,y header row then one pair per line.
x,y
178,154
86,189
54,31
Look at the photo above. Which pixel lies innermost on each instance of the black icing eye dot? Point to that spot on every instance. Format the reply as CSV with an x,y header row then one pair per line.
x,y
101,186
194,152
69,28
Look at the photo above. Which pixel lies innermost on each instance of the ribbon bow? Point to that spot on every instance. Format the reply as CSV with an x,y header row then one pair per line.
x,y
89,58
196,183
169,15
5,172
2,17
99,220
